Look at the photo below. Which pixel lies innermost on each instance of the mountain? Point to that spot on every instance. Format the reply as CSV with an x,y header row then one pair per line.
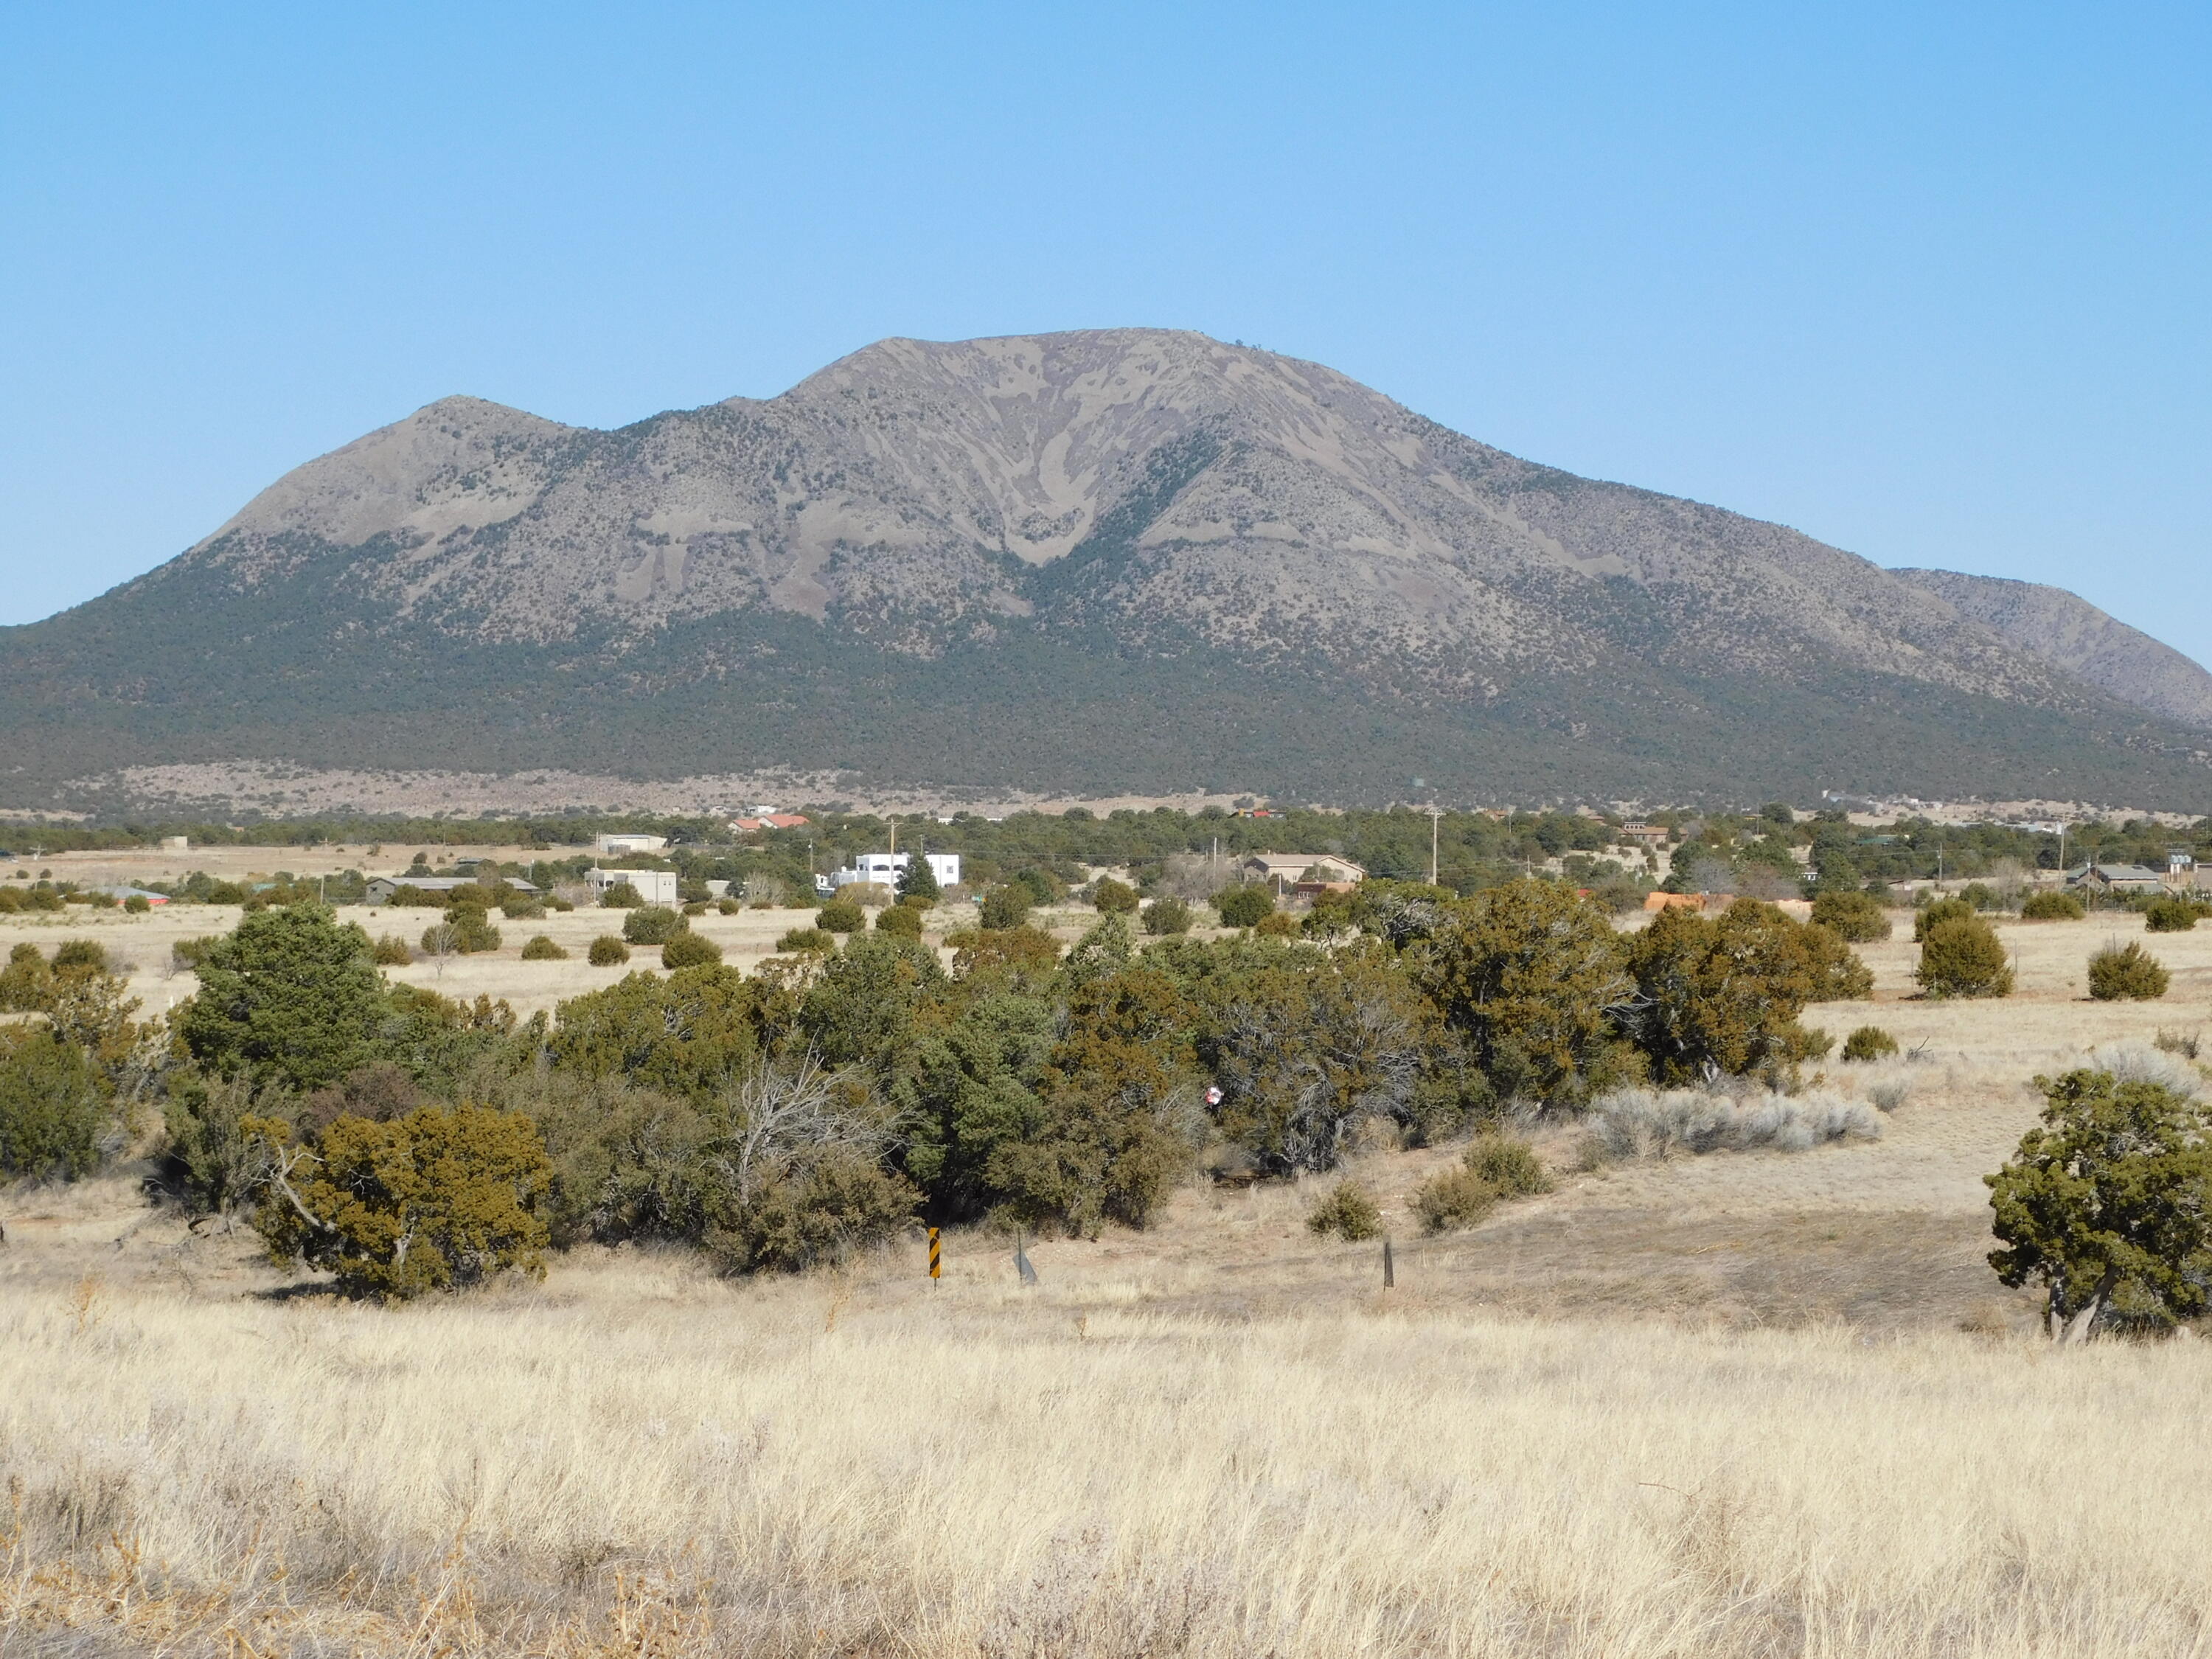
x,y
2073,636
1122,560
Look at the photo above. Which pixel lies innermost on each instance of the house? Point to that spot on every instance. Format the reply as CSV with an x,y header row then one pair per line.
x,y
887,867
1285,871
125,894
1655,902
654,886
382,888
1644,835
175,843
770,821
624,846
2120,879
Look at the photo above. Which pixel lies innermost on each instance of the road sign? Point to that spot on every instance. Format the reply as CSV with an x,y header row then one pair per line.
x,y
936,1257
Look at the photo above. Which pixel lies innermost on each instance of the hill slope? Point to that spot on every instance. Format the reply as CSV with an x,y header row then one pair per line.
x,y
2072,635
1114,560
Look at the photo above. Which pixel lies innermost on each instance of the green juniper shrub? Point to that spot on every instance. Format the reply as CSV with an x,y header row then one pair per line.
x,y
1044,887
80,955
27,984
690,951
1112,897
1854,918
1453,1200
652,924
1523,976
1723,994
440,1198
621,897
188,953
1981,896
2126,973
1008,907
541,948
2169,915
1509,1165
728,907
1934,916
1962,957
2052,907
472,930
138,905
696,907
840,916
1868,1043
53,1109
1166,916
808,940
1347,1210
1277,924
291,997
899,918
1243,905
391,951
607,952
918,883
2104,1204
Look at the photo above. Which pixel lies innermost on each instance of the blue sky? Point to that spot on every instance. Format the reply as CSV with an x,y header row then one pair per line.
x,y
1929,283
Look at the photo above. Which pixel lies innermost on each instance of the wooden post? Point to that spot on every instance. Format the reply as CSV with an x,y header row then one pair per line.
x,y
936,1257
1389,1268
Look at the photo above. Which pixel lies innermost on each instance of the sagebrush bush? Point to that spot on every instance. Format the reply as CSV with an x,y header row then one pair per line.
x,y
1854,918
1654,1123
392,952
690,951
2127,974
542,949
1509,1164
1348,1210
1962,957
652,924
607,952
840,916
1454,1200
2169,915
2052,907
1868,1043
1278,924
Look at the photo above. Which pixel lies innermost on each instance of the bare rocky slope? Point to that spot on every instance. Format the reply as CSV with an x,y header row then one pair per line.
x,y
2070,634
1124,559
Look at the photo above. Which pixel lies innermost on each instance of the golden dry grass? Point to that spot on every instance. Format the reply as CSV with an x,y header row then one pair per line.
x,y
870,1466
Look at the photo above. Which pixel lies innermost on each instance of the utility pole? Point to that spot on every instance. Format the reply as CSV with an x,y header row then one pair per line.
x,y
1435,816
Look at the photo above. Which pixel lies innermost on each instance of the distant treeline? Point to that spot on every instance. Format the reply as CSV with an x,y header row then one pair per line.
x,y
1472,850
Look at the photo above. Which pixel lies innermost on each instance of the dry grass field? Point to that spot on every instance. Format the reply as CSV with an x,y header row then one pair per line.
x,y
1746,1404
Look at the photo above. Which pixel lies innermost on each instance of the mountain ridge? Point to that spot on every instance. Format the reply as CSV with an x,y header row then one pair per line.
x,y
1029,531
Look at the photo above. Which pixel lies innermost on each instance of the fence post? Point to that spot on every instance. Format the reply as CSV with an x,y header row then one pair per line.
x,y
1389,1269
936,1258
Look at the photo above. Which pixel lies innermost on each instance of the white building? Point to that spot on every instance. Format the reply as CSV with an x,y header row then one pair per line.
x,y
654,886
887,867
624,846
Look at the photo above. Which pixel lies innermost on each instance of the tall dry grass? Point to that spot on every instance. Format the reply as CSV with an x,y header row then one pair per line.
x,y
636,1459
